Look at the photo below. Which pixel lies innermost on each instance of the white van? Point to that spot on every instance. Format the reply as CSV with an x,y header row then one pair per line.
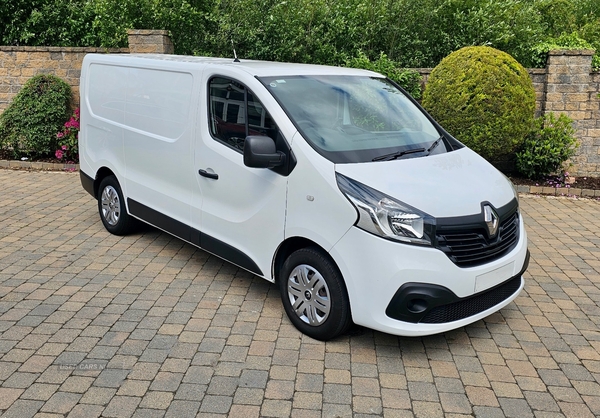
x,y
331,181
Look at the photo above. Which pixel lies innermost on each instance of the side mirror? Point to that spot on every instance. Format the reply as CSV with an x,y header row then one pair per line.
x,y
260,152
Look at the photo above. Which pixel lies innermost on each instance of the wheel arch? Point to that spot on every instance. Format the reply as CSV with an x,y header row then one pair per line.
x,y
101,174
292,244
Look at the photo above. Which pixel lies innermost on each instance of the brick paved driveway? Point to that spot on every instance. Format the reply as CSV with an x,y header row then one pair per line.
x,y
145,325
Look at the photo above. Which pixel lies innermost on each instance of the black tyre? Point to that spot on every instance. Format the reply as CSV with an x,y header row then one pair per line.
x,y
314,295
111,207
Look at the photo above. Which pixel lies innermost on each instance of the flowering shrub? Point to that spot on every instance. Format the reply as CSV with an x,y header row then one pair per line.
x,y
29,124
68,150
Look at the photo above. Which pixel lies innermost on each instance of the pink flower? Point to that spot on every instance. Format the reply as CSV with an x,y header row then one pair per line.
x,y
58,154
64,147
60,135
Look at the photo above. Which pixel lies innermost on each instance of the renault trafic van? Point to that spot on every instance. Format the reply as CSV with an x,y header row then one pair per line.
x,y
331,181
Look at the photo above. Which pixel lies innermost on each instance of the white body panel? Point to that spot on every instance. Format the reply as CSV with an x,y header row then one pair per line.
x,y
316,210
145,119
442,185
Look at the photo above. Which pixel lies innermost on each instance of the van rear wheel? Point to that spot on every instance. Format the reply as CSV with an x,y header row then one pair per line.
x,y
314,294
111,207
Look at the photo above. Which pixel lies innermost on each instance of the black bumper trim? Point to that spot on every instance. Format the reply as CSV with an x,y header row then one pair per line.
x,y
434,304
88,183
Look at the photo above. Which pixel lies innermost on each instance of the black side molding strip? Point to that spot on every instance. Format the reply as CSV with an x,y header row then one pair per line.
x,y
193,236
166,223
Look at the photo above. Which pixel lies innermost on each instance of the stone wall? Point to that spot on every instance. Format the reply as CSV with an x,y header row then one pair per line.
x,y
19,63
572,89
150,42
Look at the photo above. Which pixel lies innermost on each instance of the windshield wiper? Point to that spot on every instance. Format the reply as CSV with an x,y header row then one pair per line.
x,y
435,144
394,155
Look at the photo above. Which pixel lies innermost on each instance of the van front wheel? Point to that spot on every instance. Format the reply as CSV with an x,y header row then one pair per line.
x,y
314,295
111,207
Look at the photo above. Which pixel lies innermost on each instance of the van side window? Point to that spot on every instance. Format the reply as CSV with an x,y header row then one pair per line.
x,y
235,113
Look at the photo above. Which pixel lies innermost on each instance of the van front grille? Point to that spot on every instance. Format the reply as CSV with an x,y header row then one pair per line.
x,y
469,246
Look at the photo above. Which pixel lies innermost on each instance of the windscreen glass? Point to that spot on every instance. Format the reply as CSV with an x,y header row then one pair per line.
x,y
352,119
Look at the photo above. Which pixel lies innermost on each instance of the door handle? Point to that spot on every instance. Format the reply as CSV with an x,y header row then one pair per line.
x,y
205,173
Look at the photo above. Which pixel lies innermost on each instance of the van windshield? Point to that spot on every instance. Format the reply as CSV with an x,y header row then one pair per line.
x,y
350,119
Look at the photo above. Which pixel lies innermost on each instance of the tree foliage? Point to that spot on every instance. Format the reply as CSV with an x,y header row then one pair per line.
x,y
411,33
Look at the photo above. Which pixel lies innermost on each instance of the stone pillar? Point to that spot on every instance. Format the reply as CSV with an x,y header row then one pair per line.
x,y
149,41
570,89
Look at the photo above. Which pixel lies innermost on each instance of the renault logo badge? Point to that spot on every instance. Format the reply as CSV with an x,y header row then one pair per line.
x,y
491,220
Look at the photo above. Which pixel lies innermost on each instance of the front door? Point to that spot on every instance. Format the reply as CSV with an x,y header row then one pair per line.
x,y
242,216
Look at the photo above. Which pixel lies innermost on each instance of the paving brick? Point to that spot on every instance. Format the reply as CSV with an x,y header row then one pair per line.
x,y
98,396
541,401
121,407
23,409
422,391
253,379
276,408
337,393
306,400
182,408
20,380
223,385
279,389
367,405
340,376
244,411
8,396
191,392
515,407
111,378
133,388
61,403
85,411
481,396
77,384
156,400
309,382
216,404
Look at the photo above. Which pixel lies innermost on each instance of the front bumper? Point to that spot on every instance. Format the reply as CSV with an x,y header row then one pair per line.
x,y
434,304
376,269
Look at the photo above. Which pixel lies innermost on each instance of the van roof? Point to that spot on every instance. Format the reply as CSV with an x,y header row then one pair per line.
x,y
253,67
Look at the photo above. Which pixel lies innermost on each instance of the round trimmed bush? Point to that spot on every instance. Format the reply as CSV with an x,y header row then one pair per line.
x,y
30,123
484,98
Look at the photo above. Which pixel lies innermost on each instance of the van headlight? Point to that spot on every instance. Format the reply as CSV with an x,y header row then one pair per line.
x,y
385,216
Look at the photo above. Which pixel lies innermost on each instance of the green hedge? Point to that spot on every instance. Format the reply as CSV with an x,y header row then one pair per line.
x,y
484,98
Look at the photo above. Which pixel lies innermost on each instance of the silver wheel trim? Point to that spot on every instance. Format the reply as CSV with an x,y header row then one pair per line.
x,y
309,294
111,205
